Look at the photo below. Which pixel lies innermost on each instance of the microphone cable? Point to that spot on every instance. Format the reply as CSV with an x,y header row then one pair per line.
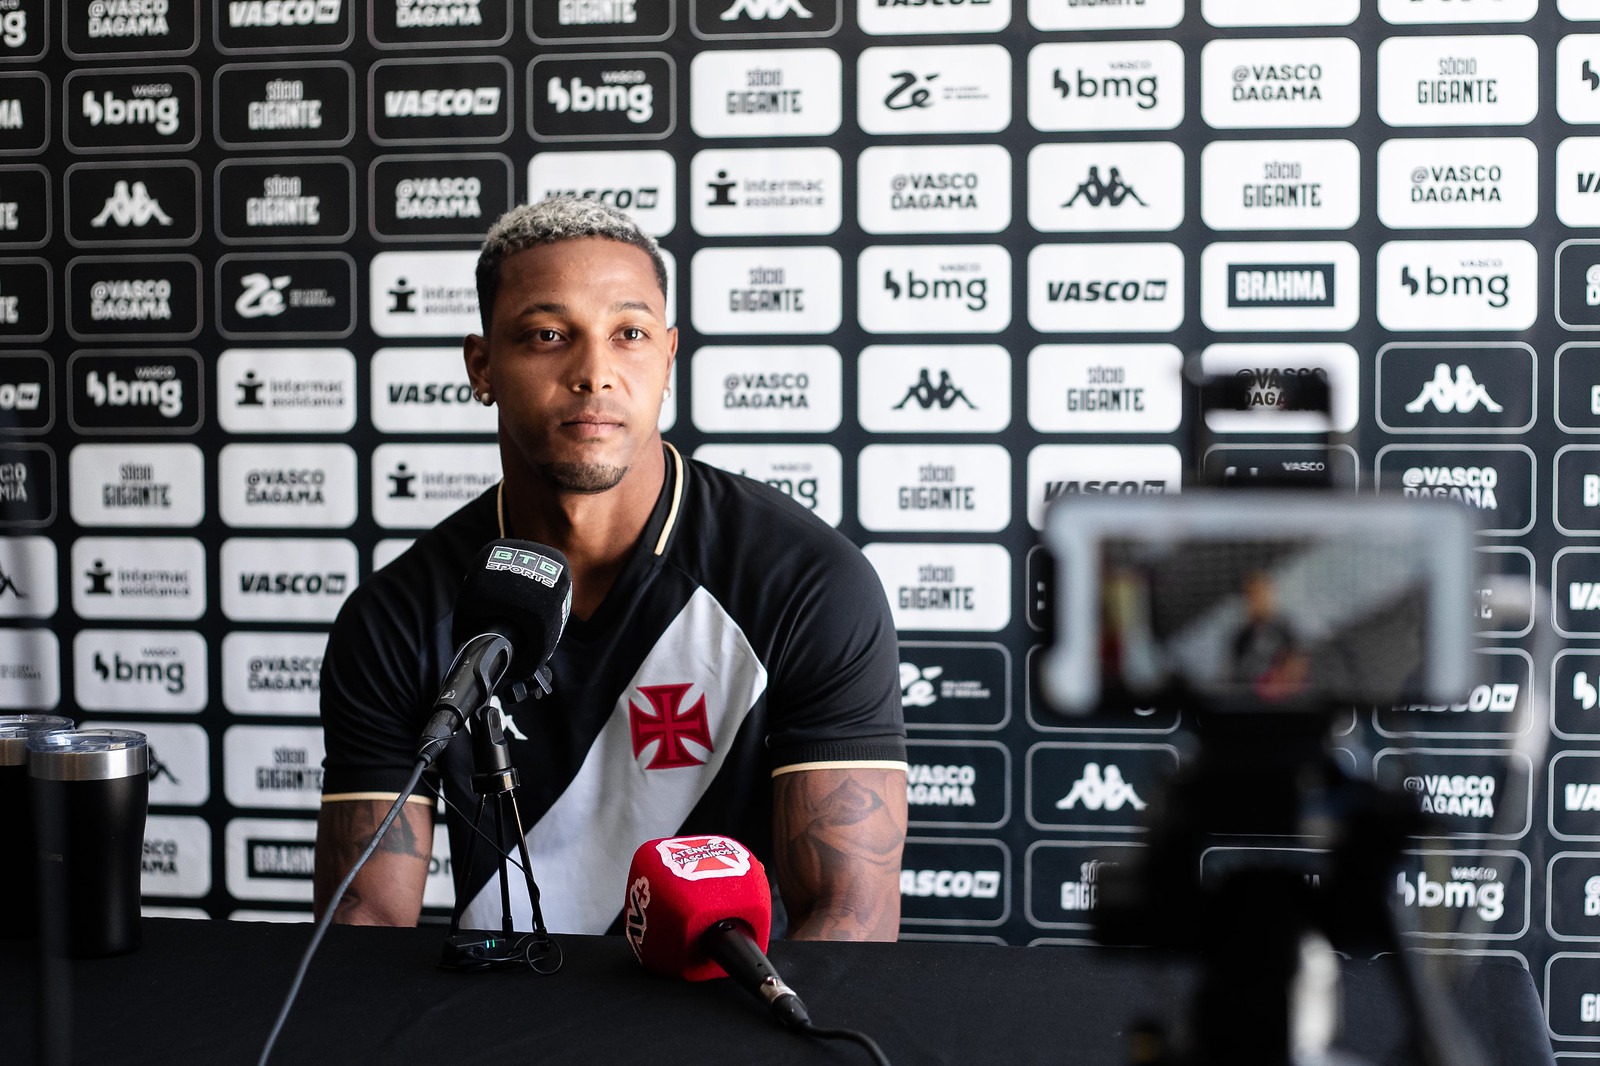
x,y
333,905
849,1035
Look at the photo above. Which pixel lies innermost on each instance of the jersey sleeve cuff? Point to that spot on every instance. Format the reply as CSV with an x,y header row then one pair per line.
x,y
884,752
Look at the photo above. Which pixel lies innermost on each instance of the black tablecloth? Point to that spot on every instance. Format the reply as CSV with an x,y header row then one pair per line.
x,y
207,992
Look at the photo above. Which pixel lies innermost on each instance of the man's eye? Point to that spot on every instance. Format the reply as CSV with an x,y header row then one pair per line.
x,y
633,333
546,336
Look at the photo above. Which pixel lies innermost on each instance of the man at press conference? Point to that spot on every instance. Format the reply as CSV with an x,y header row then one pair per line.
x,y
729,666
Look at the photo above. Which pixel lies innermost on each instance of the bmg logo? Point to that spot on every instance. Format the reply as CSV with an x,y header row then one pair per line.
x,y
151,105
624,91
974,291
150,388
169,675
1108,87
14,29
1495,288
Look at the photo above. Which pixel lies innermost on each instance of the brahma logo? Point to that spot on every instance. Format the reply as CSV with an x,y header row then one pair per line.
x,y
1281,285
666,728
704,858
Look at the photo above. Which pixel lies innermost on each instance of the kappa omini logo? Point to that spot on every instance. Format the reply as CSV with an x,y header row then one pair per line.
x,y
1100,790
765,9
130,205
1457,395
704,858
669,727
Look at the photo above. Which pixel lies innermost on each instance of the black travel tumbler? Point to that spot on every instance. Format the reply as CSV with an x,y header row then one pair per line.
x,y
19,884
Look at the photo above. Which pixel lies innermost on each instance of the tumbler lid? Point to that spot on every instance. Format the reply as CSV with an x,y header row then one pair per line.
x,y
88,755
16,728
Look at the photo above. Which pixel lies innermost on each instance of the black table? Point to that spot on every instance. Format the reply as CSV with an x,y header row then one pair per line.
x,y
207,992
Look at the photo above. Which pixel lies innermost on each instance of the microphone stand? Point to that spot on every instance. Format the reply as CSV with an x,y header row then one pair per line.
x,y
496,779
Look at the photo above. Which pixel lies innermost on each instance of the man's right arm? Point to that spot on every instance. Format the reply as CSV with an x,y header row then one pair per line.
x,y
388,890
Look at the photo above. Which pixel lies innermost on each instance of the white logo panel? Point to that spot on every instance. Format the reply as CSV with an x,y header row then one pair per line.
x,y
1458,183
945,587
28,583
1105,388
1231,13
1112,288
138,577
1579,10
272,673
767,390
1117,85
942,89
286,390
1578,181
273,766
939,488
1112,186
424,294
934,188
286,579
1278,185
1577,68
293,486
1458,81
888,17
417,486
30,669
177,855
1258,84
1057,470
154,671
792,92
1414,12
934,288
137,484
642,183
740,191
810,474
1144,15
1457,285
180,760
425,390
1277,285
766,290
271,858
1265,369
933,389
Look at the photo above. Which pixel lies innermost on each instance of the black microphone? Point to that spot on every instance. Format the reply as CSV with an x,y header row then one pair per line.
x,y
509,615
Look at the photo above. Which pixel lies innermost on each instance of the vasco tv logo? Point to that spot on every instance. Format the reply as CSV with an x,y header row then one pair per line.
x,y
616,95
151,109
438,102
282,24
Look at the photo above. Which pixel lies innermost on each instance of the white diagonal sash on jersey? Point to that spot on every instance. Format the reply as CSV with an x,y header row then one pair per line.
x,y
582,846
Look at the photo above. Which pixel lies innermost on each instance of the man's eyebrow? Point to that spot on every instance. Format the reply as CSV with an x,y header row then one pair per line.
x,y
632,305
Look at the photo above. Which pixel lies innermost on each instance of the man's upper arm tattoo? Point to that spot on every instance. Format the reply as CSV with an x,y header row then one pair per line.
x,y
841,836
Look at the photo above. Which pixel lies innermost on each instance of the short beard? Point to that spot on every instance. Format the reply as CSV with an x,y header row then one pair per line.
x,y
586,478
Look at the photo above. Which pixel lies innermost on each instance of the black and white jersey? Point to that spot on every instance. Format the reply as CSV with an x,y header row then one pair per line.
x,y
743,638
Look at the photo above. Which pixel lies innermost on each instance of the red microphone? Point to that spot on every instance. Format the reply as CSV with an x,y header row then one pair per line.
x,y
698,908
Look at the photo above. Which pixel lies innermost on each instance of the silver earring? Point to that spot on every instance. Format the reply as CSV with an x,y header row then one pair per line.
x,y
484,398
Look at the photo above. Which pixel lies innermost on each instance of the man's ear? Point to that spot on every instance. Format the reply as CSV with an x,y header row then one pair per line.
x,y
475,353
672,349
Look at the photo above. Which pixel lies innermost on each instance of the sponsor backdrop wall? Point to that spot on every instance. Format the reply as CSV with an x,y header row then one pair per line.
x,y
935,263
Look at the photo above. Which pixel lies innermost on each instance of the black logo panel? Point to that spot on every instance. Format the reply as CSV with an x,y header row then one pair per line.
x,y
280,103
1578,388
1575,697
24,206
310,200
27,485
1245,465
1578,284
1577,489
593,96
958,783
156,297
433,23
311,294
152,109
24,113
27,392
1112,720
1497,705
422,197
1576,591
133,203
1574,887
765,18
283,25
1497,483
131,27
1465,793
147,392
1575,796
954,882
23,33
954,686
438,101
1064,880
567,21
24,299
1095,787
1433,388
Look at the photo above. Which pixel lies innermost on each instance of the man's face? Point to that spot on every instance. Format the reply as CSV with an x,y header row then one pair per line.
x,y
577,357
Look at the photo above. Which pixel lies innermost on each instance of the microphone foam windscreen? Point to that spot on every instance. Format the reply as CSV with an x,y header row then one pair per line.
x,y
680,886
516,586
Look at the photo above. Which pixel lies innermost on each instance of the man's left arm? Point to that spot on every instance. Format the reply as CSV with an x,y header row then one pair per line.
x,y
837,838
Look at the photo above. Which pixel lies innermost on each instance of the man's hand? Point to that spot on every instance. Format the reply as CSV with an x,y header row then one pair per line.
x,y
388,890
837,838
